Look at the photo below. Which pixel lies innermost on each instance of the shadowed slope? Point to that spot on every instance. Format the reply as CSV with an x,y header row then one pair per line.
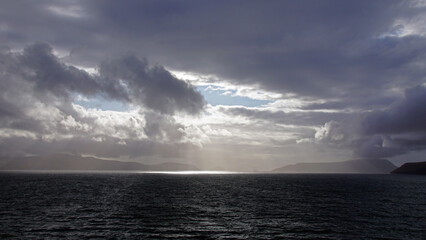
x,y
78,163
351,166
411,168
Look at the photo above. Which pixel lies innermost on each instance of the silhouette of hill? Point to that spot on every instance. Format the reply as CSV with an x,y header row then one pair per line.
x,y
77,163
351,166
411,168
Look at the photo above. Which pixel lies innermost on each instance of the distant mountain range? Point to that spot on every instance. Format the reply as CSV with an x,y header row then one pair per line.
x,y
351,166
411,168
69,162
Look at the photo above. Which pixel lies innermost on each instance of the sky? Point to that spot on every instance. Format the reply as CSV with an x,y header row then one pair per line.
x,y
223,85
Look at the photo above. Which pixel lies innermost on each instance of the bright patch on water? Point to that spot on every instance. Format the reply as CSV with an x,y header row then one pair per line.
x,y
191,172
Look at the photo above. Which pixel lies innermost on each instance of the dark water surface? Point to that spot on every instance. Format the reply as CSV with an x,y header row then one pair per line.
x,y
242,206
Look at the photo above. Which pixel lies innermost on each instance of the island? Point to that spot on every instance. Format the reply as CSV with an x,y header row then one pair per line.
x,y
350,166
411,168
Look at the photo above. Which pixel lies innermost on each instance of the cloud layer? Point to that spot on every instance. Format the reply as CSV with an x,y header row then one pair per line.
x,y
37,110
396,130
342,79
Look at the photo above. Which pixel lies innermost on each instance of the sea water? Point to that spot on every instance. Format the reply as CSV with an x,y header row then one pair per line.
x,y
211,206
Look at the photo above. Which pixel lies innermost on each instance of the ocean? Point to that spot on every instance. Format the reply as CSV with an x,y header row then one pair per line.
x,y
218,206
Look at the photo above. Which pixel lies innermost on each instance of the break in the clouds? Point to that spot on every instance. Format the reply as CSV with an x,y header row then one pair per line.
x,y
38,113
218,83
128,79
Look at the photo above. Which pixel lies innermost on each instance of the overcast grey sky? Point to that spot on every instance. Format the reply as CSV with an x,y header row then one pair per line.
x,y
233,85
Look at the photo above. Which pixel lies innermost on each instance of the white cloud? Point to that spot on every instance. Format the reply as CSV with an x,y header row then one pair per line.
x,y
71,11
214,83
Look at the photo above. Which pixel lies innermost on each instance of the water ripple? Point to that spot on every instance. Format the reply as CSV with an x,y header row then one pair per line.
x,y
234,206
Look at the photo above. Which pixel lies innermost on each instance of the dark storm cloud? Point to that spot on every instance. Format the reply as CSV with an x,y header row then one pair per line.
x,y
37,115
15,95
407,116
324,49
127,79
399,129
378,146
154,87
50,74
